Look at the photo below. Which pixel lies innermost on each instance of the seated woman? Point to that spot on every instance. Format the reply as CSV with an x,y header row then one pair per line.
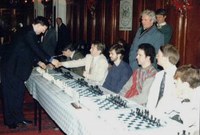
x,y
187,81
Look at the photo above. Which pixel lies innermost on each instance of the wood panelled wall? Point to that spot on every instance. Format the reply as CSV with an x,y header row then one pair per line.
x,y
102,24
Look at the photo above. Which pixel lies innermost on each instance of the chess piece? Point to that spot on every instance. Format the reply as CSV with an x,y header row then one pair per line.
x,y
184,132
158,123
151,119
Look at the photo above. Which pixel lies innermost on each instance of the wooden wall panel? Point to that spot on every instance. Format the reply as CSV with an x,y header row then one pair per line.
x,y
192,54
104,25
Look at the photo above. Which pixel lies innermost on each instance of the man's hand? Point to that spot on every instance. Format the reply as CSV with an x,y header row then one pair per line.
x,y
50,66
56,63
42,65
85,74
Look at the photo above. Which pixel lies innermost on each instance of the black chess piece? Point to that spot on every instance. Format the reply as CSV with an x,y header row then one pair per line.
x,y
184,132
154,121
137,111
97,87
158,123
151,119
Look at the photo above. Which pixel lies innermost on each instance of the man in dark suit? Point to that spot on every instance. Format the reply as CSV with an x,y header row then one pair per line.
x,y
63,36
17,67
72,54
48,42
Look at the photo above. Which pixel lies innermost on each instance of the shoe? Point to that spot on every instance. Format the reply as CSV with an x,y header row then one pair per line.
x,y
26,122
21,125
12,126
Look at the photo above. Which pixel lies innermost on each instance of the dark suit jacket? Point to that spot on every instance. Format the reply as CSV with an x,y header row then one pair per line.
x,y
63,38
49,42
24,53
78,70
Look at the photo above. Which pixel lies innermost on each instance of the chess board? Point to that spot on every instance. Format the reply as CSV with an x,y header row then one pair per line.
x,y
106,102
60,77
128,120
134,122
65,80
52,71
88,92
83,89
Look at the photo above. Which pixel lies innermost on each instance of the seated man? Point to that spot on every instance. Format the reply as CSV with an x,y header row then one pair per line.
x,y
137,87
120,72
72,54
187,97
163,86
96,65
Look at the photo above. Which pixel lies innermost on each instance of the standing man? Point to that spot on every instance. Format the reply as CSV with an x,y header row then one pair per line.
x,y
163,87
72,54
17,68
96,65
49,40
163,27
120,72
147,33
137,87
63,36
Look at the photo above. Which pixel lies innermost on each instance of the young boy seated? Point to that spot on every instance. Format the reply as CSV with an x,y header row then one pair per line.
x,y
187,97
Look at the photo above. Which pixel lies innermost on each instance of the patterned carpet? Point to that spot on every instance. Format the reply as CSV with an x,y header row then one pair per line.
x,y
48,126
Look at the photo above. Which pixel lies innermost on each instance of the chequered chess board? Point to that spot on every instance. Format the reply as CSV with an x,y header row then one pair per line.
x,y
107,102
134,122
83,90
52,71
129,120
87,93
59,77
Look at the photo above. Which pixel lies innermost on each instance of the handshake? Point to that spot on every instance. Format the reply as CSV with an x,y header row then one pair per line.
x,y
56,63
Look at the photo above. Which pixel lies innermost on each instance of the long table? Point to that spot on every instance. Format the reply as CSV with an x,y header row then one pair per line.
x,y
84,121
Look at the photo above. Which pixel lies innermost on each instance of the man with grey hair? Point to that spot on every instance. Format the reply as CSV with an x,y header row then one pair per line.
x,y
147,33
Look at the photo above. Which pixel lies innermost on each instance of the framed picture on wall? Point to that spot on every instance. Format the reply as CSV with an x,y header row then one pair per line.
x,y
125,15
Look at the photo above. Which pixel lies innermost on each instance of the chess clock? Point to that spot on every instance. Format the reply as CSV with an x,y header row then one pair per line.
x,y
126,15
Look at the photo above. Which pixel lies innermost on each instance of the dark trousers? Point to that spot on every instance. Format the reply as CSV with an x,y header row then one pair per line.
x,y
13,96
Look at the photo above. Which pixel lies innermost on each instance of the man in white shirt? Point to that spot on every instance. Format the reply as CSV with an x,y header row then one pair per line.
x,y
187,99
167,57
96,65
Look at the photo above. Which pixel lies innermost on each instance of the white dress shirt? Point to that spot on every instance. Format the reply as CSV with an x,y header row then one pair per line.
x,y
169,91
188,110
99,66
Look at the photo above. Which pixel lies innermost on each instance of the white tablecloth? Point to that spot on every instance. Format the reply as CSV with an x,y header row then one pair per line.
x,y
80,121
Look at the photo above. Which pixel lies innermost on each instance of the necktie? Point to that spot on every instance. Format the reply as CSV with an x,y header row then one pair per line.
x,y
162,86
91,66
